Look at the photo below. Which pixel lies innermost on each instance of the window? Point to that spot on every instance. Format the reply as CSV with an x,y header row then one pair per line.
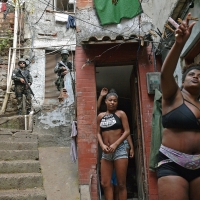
x,y
64,5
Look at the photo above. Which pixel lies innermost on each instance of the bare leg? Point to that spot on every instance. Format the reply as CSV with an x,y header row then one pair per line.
x,y
121,169
106,174
173,188
194,189
116,192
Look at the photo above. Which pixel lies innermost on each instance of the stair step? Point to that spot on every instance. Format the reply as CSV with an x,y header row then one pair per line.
x,y
23,194
17,136
19,155
9,145
20,166
20,181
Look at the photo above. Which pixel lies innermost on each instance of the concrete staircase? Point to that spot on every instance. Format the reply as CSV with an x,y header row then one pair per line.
x,y
20,172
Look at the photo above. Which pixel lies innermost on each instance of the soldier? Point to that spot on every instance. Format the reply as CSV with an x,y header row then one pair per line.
x,y
21,77
62,68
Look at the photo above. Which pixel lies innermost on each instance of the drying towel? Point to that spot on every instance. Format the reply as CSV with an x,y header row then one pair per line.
x,y
61,17
112,13
73,150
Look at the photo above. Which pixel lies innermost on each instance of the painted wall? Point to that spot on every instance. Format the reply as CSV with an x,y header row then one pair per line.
x,y
159,12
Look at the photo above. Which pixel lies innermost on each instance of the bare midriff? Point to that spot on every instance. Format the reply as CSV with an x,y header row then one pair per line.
x,y
185,141
111,136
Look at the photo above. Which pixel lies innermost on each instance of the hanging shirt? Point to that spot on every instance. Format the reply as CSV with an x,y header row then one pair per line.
x,y
73,150
157,128
110,12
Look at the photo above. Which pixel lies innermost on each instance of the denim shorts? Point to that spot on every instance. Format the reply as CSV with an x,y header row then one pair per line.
x,y
119,153
126,144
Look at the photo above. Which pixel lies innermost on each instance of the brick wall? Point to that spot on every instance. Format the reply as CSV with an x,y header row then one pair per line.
x,y
146,100
84,3
86,122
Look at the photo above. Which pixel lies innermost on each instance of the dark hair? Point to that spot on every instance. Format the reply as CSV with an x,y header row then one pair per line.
x,y
111,93
188,68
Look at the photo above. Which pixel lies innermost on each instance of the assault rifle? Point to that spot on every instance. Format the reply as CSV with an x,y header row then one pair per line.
x,y
68,66
27,84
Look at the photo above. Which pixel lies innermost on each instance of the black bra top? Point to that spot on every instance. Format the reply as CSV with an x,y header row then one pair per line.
x,y
110,122
181,117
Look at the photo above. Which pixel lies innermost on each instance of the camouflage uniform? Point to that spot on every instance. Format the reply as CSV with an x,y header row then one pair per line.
x,y
59,70
22,88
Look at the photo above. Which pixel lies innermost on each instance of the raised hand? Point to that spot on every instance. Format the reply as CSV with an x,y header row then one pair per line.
x,y
104,92
184,30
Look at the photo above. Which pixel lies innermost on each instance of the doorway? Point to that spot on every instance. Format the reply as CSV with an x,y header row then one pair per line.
x,y
121,79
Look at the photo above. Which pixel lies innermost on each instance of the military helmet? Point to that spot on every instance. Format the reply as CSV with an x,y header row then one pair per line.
x,y
22,60
64,51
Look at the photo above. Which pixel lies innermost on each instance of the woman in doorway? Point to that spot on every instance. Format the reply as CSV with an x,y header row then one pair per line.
x,y
111,139
102,108
179,156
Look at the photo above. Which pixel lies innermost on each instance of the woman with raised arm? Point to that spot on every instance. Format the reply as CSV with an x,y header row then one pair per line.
x,y
110,125
179,155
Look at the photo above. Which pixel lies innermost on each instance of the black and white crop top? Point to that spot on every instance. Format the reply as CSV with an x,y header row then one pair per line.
x,y
110,122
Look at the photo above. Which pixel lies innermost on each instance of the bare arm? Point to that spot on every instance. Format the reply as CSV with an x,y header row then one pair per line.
x,y
103,93
130,142
168,83
99,103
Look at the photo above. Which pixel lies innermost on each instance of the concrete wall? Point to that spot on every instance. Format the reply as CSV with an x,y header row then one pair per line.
x,y
159,12
41,32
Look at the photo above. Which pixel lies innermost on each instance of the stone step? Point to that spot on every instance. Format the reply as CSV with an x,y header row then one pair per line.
x,y
20,166
7,155
21,136
9,145
23,194
20,181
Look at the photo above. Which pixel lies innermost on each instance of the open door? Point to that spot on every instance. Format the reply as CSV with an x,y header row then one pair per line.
x,y
137,139
119,78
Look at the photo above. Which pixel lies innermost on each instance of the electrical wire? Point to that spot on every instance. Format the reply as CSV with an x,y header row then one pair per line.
x,y
104,29
43,12
139,40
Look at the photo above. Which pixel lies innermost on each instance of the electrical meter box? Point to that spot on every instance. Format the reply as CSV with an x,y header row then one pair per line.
x,y
153,82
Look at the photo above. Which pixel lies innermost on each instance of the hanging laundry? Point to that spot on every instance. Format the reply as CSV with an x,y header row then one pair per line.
x,y
157,128
110,12
3,7
73,150
61,17
71,22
